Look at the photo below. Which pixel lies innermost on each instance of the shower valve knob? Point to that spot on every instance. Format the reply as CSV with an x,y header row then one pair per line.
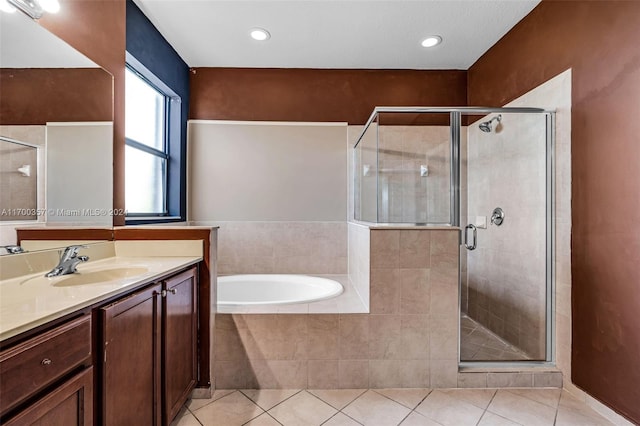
x,y
497,216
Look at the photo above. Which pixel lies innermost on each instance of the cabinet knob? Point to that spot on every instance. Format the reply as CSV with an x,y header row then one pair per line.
x,y
173,290
45,361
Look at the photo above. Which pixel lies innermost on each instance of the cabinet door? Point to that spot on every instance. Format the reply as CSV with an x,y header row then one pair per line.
x,y
180,344
70,404
130,359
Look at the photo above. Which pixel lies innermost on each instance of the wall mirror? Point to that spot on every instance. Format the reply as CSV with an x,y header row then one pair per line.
x,y
56,123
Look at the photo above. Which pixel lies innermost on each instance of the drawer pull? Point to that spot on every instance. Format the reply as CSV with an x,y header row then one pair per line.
x,y
46,361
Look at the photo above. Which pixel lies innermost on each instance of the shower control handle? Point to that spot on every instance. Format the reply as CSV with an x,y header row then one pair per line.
x,y
497,216
473,245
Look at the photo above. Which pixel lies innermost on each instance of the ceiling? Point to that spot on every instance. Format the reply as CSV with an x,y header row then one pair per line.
x,y
25,44
334,33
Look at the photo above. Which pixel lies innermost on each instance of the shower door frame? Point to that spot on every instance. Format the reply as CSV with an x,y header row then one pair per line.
x,y
455,125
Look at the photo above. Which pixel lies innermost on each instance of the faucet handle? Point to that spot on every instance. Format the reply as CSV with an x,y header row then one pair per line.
x,y
71,251
13,249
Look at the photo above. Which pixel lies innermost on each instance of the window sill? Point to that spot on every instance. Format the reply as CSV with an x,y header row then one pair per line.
x,y
142,220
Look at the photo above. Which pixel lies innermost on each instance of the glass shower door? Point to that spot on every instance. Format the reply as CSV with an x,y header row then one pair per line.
x,y
505,215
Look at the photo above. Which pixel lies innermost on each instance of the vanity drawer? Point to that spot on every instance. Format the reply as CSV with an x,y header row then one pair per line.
x,y
32,365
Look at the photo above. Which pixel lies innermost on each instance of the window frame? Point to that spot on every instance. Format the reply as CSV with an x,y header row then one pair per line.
x,y
171,153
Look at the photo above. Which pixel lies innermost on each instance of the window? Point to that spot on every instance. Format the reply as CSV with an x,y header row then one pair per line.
x,y
146,151
154,152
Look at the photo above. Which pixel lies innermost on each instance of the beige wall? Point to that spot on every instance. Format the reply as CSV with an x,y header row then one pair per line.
x,y
256,171
80,172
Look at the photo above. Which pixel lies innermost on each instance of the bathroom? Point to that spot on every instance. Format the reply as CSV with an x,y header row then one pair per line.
x,y
271,181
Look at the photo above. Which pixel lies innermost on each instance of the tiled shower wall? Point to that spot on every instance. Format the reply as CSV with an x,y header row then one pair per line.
x,y
511,269
506,272
555,94
404,196
18,192
409,338
35,135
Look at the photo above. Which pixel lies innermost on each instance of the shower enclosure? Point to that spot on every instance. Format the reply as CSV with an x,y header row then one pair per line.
x,y
490,172
18,180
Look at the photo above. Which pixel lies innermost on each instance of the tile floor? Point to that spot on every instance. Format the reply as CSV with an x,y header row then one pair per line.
x,y
380,407
479,344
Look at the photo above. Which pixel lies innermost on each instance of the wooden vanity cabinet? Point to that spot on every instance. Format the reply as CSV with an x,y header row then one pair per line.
x,y
131,359
48,379
180,346
150,352
70,404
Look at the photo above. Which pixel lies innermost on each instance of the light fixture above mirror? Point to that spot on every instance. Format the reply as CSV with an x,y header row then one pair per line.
x,y
33,8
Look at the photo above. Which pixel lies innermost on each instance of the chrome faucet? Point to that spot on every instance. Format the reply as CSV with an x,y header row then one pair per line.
x,y
68,262
13,249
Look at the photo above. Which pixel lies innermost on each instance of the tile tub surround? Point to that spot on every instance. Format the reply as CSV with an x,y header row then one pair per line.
x,y
407,407
281,247
409,338
359,241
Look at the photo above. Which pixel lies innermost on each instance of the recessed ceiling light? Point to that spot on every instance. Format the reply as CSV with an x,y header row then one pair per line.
x,y
260,34
431,41
6,7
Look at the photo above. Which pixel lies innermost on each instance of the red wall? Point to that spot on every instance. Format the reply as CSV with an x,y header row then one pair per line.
x,y
317,94
600,42
63,94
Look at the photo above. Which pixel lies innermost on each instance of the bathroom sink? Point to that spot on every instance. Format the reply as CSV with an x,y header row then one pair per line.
x,y
99,276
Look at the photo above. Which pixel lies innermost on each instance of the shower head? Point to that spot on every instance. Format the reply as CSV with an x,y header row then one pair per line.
x,y
486,125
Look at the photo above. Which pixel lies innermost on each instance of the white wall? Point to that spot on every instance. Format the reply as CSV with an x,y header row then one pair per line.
x,y
257,171
80,172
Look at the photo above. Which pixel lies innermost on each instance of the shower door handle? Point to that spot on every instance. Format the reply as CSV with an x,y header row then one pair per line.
x,y
471,246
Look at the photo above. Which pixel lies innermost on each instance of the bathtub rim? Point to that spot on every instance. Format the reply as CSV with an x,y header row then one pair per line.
x,y
339,291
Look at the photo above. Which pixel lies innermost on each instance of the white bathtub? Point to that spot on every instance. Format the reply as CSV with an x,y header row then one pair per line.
x,y
275,289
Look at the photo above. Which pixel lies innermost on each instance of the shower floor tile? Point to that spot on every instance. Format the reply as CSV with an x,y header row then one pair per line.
x,y
377,407
479,344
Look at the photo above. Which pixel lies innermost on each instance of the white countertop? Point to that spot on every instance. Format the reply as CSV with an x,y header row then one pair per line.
x,y
29,301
